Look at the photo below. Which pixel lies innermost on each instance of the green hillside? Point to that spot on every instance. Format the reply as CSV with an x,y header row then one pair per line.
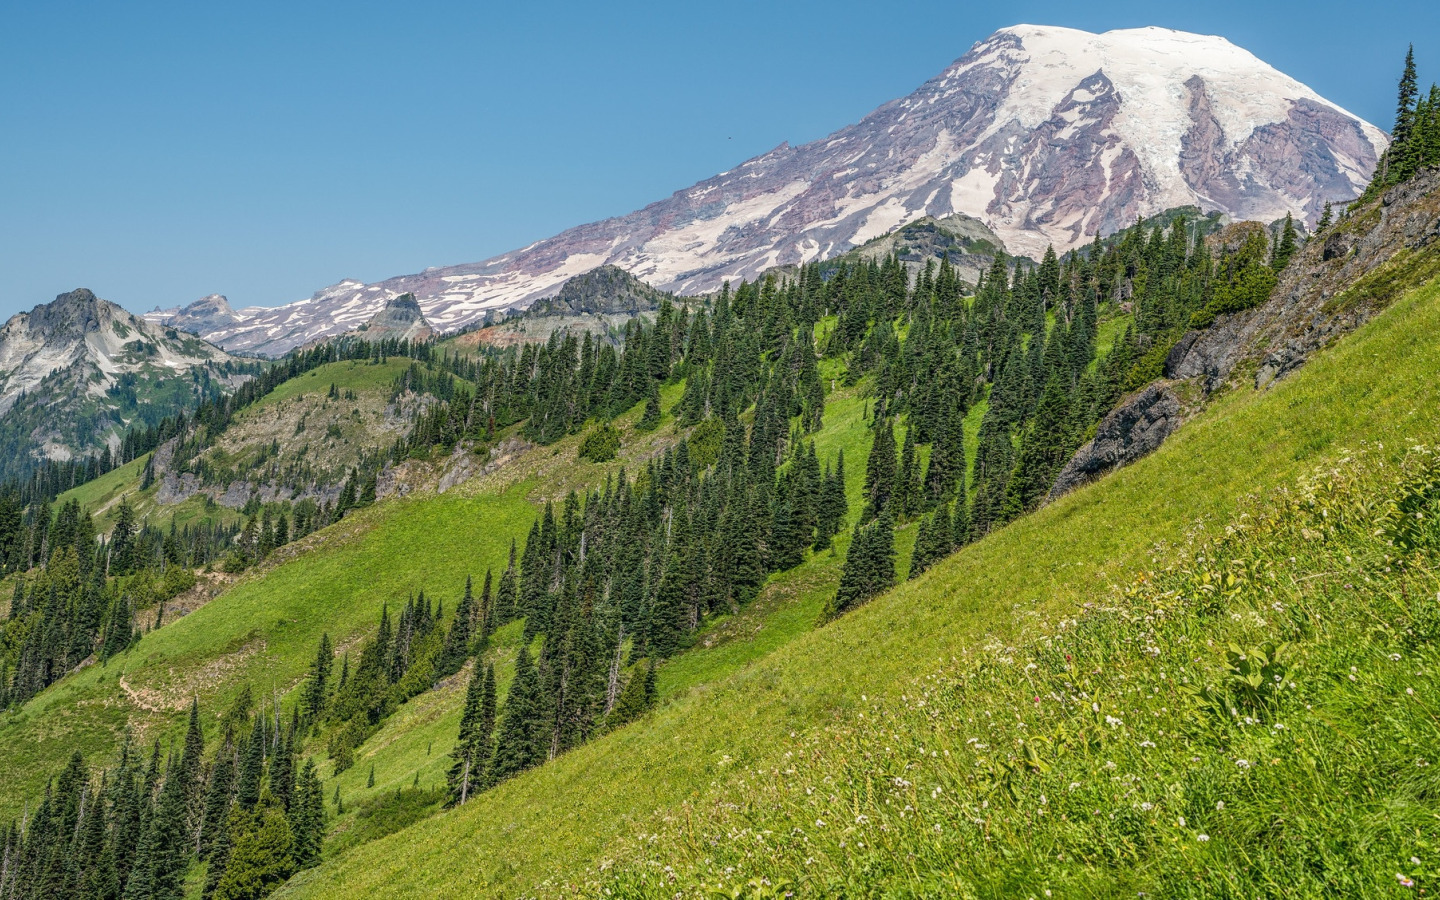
x,y
685,704
703,765
264,629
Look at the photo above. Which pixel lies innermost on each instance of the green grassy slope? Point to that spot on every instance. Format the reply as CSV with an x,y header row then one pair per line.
x,y
556,828
411,748
264,629
273,417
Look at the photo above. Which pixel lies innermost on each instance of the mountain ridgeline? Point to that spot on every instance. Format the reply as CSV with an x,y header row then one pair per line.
x,y
1046,135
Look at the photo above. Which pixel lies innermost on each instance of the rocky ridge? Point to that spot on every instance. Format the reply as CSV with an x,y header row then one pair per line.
x,y
1336,283
77,372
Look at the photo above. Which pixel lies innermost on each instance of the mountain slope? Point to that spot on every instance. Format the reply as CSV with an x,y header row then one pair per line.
x,y
560,829
77,372
1047,135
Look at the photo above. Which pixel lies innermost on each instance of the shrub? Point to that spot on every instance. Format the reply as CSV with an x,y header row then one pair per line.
x,y
601,444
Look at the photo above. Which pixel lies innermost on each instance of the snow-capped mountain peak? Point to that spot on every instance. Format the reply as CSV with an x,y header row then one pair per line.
x,y
1047,135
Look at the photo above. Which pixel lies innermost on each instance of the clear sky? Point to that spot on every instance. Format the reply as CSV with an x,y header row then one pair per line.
x,y
156,153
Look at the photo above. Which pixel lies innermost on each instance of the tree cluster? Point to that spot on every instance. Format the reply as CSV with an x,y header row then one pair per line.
x,y
250,814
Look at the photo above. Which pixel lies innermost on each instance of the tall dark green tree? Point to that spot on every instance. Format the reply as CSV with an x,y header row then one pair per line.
x,y
521,741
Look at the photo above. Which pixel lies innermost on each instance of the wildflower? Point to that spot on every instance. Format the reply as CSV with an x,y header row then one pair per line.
x,y
1410,691
819,823
1202,838
1407,882
1243,763
1219,804
1415,860
1147,743
1182,821
1394,657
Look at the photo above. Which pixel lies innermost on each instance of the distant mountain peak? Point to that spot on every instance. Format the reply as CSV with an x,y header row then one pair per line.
x,y
1047,135
75,372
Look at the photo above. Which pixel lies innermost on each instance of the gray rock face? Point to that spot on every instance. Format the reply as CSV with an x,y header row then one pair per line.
x,y
1316,300
205,316
60,361
601,291
399,318
1046,135
1133,430
1324,294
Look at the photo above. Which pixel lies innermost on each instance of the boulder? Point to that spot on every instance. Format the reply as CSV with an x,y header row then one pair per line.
x,y
1133,430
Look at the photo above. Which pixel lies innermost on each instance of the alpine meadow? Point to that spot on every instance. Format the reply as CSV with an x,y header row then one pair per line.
x,y
1032,489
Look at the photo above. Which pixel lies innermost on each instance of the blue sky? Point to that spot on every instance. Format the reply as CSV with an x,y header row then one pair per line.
x,y
156,153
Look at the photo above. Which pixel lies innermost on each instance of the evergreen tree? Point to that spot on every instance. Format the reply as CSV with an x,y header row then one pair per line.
x,y
637,696
880,470
1285,246
907,479
456,648
317,687
307,817
252,767
261,848
122,540
469,773
521,744
216,806
650,419
869,565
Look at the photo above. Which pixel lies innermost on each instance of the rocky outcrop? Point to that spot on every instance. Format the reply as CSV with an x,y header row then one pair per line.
x,y
604,290
1133,430
1336,283
206,315
965,241
403,478
400,318
176,487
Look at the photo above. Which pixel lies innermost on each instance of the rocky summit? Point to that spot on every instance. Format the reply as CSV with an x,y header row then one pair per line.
x,y
399,318
76,372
